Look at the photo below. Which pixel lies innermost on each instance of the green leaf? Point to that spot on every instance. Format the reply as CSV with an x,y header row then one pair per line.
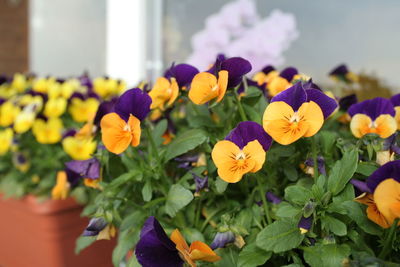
x,y
83,242
185,142
297,194
290,172
229,257
279,236
285,209
122,179
147,191
328,139
220,185
357,214
331,255
178,197
334,225
192,234
342,171
366,168
253,256
134,219
126,241
158,131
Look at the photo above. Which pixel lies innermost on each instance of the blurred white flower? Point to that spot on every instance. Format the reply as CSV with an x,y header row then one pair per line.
x,y
237,30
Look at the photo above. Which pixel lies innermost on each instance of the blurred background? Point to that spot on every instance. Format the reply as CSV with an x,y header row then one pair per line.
x,y
137,39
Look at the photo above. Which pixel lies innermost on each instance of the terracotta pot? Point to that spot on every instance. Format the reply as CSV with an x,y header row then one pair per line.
x,y
44,234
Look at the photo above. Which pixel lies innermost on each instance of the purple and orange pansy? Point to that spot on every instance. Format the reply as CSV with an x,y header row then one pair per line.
x,y
281,82
166,89
121,128
297,112
155,249
373,116
342,73
224,74
243,151
381,194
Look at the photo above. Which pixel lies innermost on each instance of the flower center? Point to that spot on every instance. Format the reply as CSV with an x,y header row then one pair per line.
x,y
127,128
215,88
295,118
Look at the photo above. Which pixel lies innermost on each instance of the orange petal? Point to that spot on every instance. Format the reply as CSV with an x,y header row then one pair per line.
x,y
254,151
116,138
312,115
276,123
179,240
202,252
231,172
387,199
222,84
204,87
174,91
224,151
134,125
360,125
386,125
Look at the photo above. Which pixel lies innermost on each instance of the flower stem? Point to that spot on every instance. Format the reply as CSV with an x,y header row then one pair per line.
x,y
389,240
152,143
263,199
314,155
241,110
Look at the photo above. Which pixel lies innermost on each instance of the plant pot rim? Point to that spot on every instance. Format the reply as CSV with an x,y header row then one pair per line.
x,y
46,207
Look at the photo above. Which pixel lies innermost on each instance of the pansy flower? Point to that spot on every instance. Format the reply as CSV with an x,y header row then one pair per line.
x,y
8,112
342,73
55,107
243,151
83,108
396,103
121,128
166,89
106,87
305,224
21,162
265,75
100,228
47,131
382,194
297,112
282,81
155,249
88,170
225,73
373,116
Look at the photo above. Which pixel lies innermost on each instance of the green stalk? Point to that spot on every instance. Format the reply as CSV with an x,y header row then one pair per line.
x,y
387,247
152,143
241,110
264,200
314,155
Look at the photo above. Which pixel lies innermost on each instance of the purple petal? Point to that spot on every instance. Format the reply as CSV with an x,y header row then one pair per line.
x,y
217,65
267,69
77,95
386,171
288,73
327,104
222,239
305,223
373,108
395,100
104,108
340,70
201,183
70,132
96,224
294,96
271,197
183,73
248,131
72,177
360,186
154,248
389,142
237,67
89,168
135,102
346,102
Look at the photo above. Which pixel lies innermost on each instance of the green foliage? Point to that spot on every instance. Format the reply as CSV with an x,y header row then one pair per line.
x,y
178,197
342,172
185,142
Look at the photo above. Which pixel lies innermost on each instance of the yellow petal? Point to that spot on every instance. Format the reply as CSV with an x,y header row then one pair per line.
x,y
204,87
397,117
311,114
387,199
254,151
360,125
277,85
276,123
134,125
